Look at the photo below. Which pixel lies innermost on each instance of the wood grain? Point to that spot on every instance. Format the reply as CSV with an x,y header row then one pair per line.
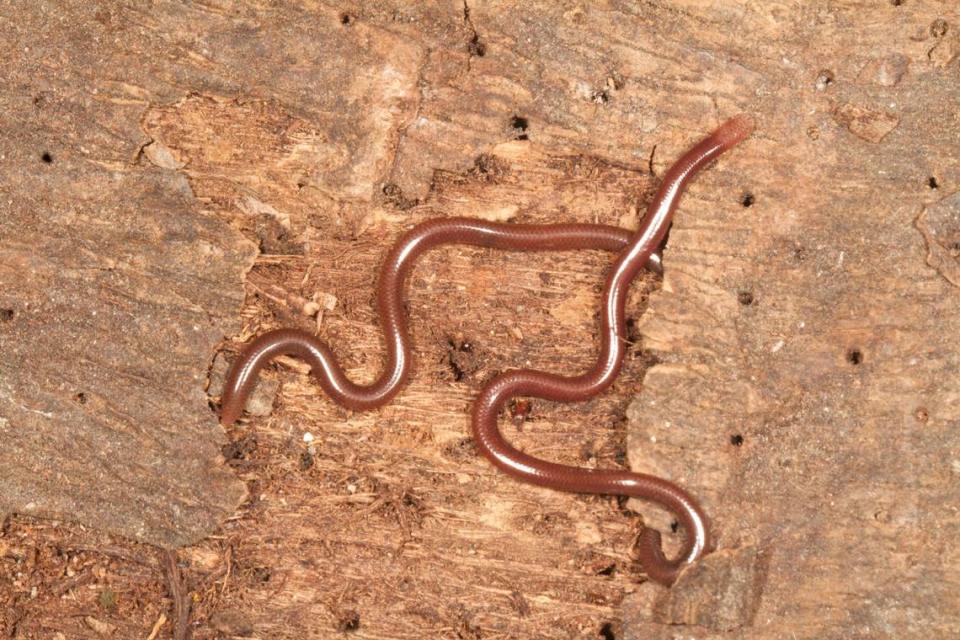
x,y
797,370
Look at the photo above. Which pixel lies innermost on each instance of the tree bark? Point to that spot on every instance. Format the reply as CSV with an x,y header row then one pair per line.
x,y
177,178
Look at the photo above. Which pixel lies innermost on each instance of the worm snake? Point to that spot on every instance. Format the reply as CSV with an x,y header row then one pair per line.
x,y
636,250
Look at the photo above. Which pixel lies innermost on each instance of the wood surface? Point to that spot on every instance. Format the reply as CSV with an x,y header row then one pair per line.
x,y
177,178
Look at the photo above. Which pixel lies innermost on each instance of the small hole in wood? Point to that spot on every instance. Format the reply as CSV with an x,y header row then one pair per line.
x,y
747,200
519,124
674,526
633,332
346,19
306,461
625,511
897,3
854,356
745,298
932,182
476,48
80,398
608,571
736,440
606,631
939,28
349,621
46,157
824,79
6,315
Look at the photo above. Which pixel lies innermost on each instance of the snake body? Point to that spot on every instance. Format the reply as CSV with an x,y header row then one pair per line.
x,y
635,249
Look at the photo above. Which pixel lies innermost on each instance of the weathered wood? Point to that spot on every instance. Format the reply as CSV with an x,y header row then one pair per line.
x,y
808,386
806,346
115,289
118,281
